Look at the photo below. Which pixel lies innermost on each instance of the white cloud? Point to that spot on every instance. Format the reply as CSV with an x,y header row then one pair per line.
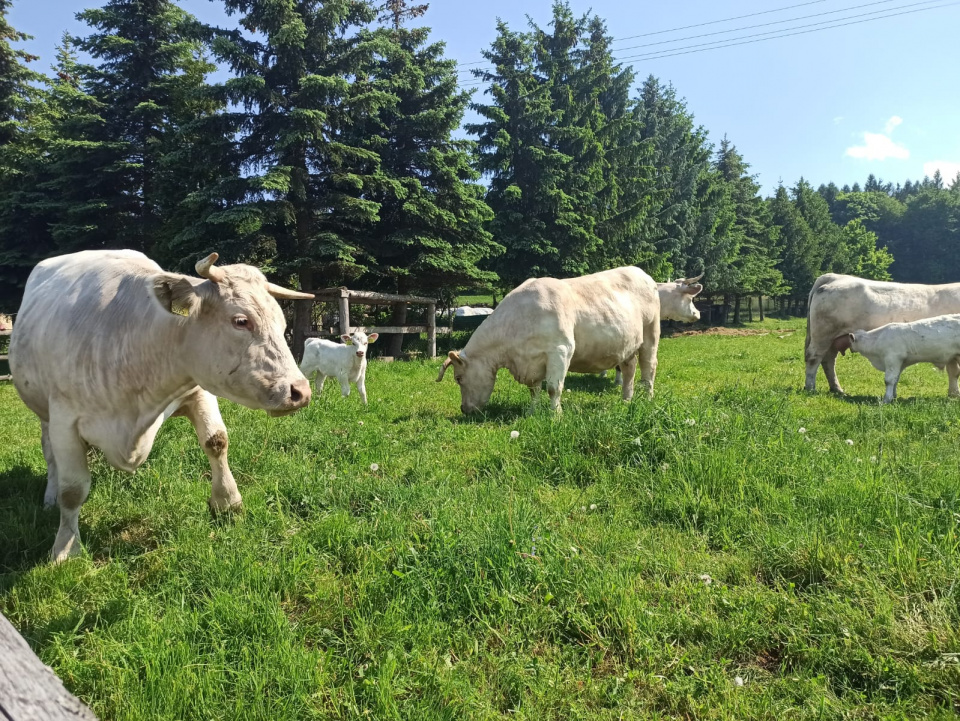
x,y
877,146
837,120
880,146
947,169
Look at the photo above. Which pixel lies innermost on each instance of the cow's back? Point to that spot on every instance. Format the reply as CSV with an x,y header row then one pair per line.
x,y
843,303
80,325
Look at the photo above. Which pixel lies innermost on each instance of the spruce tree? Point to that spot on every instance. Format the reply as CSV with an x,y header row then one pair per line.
x,y
430,235
303,83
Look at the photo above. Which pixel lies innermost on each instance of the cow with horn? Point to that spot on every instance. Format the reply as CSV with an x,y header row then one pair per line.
x,y
108,346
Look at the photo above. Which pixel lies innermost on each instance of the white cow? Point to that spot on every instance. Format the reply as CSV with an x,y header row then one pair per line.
x,y
107,346
466,311
892,347
676,303
347,362
547,327
841,304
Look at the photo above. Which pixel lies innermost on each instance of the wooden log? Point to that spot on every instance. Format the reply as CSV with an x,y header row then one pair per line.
x,y
383,329
368,297
29,690
431,330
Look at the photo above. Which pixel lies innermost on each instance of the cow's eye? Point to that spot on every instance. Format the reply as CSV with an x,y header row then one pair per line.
x,y
241,322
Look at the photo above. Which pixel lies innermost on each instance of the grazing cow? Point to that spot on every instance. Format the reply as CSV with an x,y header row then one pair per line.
x,y
841,304
347,363
465,311
547,327
107,346
892,347
676,303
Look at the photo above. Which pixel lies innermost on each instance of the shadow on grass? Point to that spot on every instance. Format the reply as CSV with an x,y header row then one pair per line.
x,y
26,527
496,411
591,383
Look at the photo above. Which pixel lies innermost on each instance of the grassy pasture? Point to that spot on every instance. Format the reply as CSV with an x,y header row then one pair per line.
x,y
634,561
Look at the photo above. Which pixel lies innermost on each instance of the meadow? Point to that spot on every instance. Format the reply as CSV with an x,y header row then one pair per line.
x,y
734,549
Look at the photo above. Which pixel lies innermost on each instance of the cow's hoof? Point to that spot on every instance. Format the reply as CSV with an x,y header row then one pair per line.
x,y
224,506
838,391
69,550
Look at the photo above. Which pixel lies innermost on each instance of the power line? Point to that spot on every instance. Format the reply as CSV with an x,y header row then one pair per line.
x,y
774,22
688,27
760,25
732,42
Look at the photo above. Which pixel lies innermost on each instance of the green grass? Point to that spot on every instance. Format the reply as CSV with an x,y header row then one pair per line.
x,y
560,575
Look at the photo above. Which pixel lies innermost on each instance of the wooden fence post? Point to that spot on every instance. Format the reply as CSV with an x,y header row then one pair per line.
x,y
432,330
344,311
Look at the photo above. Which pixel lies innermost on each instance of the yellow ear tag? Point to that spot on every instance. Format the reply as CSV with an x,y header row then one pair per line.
x,y
348,341
180,310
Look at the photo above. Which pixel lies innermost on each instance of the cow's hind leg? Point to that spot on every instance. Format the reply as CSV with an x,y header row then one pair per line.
x,y
618,377
557,366
50,495
202,410
73,485
829,364
953,372
648,359
534,398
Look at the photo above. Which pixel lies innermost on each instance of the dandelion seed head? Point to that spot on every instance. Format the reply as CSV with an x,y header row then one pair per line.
x,y
690,422
849,441
374,467
593,506
802,430
514,434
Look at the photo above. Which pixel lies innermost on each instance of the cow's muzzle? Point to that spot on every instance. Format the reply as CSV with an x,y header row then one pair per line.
x,y
297,397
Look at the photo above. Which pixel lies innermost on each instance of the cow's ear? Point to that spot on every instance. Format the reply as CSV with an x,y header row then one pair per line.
x,y
851,337
347,340
693,289
455,357
372,338
177,294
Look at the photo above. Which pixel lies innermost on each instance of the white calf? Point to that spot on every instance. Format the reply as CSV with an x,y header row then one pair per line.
x,y
347,363
892,347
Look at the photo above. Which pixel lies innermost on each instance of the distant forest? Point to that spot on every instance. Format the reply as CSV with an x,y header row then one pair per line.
x,y
331,155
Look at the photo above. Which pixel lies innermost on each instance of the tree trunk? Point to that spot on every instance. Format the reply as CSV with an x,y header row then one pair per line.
x,y
302,315
398,316
760,301
736,310
749,308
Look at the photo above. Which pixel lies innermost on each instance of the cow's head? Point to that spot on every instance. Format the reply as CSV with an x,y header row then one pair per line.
x,y
476,380
359,340
235,346
849,342
676,299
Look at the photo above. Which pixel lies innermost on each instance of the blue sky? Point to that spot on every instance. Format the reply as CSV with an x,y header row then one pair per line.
x,y
835,104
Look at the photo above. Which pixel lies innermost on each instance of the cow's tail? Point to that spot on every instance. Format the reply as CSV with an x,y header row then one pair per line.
x,y
816,285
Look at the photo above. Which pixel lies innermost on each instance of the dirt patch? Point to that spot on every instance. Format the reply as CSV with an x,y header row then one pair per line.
x,y
719,330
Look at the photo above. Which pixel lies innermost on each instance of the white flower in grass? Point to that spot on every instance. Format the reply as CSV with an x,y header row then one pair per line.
x,y
637,441
359,423
849,441
514,434
593,506
690,422
801,430
664,466
374,467
873,459
705,577
737,681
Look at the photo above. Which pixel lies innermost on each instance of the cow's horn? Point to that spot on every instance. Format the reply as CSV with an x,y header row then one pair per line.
x,y
691,281
286,294
443,369
207,269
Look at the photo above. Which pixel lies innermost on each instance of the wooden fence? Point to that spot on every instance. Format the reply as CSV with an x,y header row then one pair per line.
x,y
345,298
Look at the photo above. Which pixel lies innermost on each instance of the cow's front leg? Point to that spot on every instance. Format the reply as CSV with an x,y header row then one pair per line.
x,y
891,376
50,494
362,389
73,485
953,372
618,378
204,413
344,386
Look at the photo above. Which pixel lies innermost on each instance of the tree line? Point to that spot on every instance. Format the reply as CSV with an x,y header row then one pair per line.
x,y
331,155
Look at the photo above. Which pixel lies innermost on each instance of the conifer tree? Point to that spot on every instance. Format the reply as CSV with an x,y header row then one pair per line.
x,y
303,83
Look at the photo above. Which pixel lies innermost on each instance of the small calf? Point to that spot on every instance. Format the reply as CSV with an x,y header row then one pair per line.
x,y
347,363
892,347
